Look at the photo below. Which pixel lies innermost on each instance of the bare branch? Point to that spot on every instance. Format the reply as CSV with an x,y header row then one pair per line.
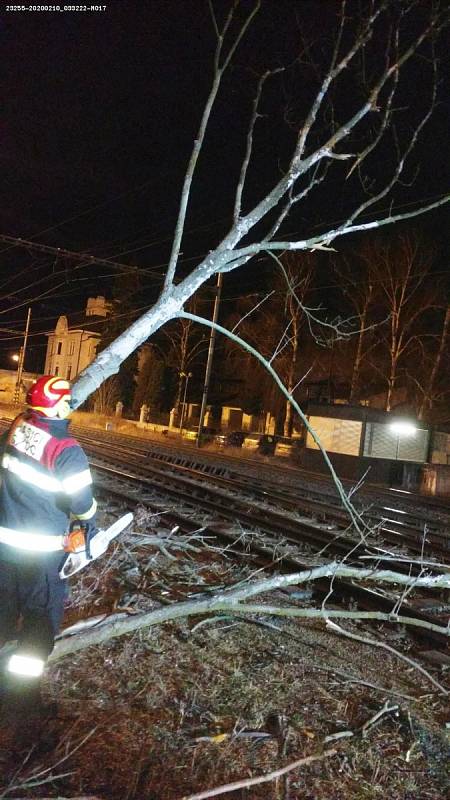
x,y
309,244
198,142
271,776
365,640
252,310
248,153
229,599
354,515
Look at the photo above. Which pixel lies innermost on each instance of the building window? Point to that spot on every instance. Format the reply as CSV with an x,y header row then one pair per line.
x,y
69,372
71,348
381,441
336,435
56,369
58,352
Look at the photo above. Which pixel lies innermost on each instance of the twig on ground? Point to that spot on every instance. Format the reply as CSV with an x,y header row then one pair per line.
x,y
353,679
332,626
387,709
363,730
271,776
41,775
247,782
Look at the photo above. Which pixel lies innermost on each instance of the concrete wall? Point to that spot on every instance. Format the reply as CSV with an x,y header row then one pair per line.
x,y
8,379
336,435
436,480
383,471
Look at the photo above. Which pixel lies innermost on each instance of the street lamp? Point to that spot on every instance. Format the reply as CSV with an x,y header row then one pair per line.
x,y
404,429
21,360
18,359
186,376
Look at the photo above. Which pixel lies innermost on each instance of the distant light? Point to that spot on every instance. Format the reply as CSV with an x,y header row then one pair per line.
x,y
29,666
15,357
403,428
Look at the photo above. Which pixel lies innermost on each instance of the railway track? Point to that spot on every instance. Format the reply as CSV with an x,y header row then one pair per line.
x,y
271,471
131,489
162,483
268,471
396,527
223,492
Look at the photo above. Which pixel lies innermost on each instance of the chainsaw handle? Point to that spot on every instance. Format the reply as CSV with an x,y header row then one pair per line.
x,y
75,540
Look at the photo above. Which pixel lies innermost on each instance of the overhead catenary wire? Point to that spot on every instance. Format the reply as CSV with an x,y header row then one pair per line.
x,y
89,260
90,210
70,254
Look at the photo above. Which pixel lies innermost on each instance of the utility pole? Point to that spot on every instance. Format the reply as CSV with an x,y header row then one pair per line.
x,y
209,361
186,376
20,364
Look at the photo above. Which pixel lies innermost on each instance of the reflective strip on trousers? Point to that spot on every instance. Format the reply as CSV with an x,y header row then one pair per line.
x,y
32,542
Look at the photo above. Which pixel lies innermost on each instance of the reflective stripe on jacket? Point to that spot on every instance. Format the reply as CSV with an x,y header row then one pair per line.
x,y
34,542
46,482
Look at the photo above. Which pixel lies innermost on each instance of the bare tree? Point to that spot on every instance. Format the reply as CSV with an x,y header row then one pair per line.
x,y
276,323
358,287
298,274
428,387
327,139
106,396
186,346
401,270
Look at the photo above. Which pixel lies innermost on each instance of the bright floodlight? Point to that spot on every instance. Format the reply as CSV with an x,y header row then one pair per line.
x,y
403,428
15,357
26,665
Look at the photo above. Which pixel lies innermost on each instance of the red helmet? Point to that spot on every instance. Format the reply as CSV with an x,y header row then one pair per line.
x,y
47,392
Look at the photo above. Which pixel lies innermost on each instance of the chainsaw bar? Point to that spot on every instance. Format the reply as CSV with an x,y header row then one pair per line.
x,y
99,545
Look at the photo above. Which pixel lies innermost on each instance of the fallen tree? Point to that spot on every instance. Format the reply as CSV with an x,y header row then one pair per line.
x,y
233,601
331,143
392,37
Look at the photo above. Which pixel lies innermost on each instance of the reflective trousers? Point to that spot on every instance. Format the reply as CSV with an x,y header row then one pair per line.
x,y
32,603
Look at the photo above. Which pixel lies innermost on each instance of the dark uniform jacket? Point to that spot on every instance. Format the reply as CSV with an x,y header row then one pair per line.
x,y
45,479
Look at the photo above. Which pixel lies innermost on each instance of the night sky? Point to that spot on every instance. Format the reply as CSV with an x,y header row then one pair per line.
x,y
99,113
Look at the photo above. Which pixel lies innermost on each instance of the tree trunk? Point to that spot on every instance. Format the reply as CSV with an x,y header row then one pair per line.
x,y
289,418
390,390
394,350
427,401
354,386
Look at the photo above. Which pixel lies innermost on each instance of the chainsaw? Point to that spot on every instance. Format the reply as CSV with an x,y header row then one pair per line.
x,y
78,557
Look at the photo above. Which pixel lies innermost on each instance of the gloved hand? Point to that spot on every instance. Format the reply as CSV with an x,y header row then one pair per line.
x,y
90,529
81,533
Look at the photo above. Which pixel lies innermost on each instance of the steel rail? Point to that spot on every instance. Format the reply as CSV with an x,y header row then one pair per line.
x,y
393,531
341,589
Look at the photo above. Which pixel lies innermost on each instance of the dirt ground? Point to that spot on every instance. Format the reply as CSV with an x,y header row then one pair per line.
x,y
172,710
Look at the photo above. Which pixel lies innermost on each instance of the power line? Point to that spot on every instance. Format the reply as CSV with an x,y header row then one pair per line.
x,y
71,254
93,208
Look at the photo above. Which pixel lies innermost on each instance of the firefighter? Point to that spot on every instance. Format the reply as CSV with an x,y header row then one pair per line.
x,y
46,504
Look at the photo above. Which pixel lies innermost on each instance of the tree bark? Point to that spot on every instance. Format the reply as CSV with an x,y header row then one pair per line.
x,y
233,600
427,402
362,318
